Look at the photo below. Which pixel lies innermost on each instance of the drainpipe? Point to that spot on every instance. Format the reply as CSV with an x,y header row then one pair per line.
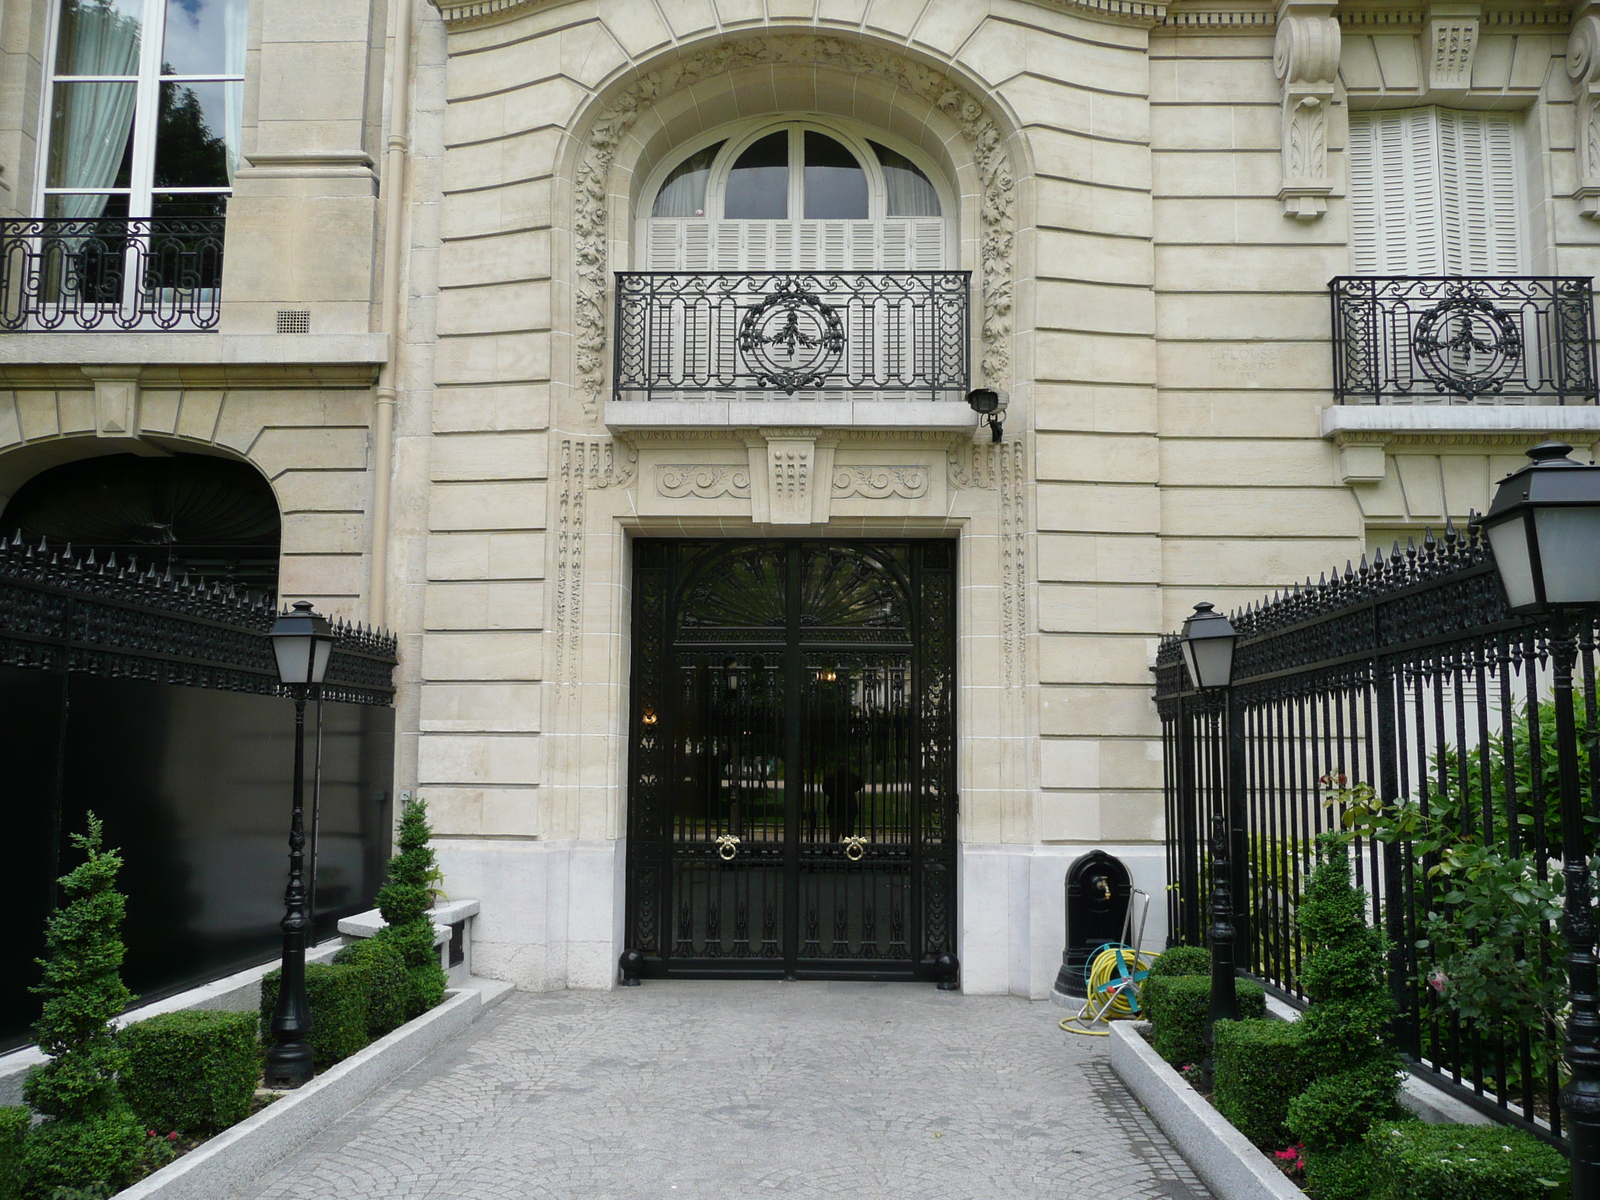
x,y
394,195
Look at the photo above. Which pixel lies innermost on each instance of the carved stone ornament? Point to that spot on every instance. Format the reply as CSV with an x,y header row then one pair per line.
x,y
849,58
703,481
1583,65
880,483
791,480
1306,58
1452,42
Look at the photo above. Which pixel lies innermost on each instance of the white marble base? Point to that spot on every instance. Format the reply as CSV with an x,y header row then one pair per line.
x,y
551,912
1013,912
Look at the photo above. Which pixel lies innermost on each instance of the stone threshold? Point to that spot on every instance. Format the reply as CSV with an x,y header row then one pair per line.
x,y
236,1157
1224,1158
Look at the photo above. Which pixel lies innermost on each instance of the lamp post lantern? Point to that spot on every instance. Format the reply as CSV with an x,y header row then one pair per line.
x,y
302,642
1544,528
1207,643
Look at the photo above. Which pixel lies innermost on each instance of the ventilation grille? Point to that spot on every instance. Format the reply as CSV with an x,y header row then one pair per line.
x,y
294,321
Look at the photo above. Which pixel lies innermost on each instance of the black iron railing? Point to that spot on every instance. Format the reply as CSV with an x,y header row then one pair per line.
x,y
1455,340
789,333
1405,683
67,612
152,273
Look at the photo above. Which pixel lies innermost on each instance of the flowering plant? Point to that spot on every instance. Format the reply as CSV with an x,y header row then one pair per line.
x,y
1292,1159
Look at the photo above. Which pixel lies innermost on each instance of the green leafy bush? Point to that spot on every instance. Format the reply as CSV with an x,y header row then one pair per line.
x,y
404,901
194,1072
388,983
338,998
13,1126
1344,1173
89,1136
1412,1161
1178,1006
1355,1075
1258,1066
1181,960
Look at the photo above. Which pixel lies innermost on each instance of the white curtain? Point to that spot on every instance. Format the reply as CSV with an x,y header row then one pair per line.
x,y
236,29
98,116
684,192
910,192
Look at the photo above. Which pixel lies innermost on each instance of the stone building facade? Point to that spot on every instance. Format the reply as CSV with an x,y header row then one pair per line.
x,y
416,346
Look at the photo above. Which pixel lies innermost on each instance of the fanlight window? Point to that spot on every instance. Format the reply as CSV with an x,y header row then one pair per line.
x,y
796,197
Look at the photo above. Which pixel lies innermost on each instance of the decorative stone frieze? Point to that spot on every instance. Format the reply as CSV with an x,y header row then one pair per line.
x,y
591,219
707,481
880,483
1583,65
1306,58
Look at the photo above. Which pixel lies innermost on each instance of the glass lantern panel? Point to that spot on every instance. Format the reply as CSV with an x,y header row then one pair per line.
x,y
1214,658
1509,541
1569,549
319,669
294,657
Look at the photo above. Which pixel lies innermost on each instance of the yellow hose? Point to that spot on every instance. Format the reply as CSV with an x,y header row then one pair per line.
x,y
1114,978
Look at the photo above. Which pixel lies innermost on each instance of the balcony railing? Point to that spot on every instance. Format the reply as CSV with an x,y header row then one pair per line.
x,y
1436,340
793,334
151,273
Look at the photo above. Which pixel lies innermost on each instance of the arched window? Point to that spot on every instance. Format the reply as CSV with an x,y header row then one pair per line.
x,y
794,196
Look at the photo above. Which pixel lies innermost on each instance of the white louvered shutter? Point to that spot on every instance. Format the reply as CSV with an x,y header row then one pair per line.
x,y
1434,192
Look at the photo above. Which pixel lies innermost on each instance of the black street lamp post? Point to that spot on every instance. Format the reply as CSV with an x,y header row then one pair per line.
x,y
1207,643
302,642
1544,528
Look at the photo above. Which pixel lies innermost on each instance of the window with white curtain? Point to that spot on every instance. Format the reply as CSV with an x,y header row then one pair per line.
x,y
1434,191
145,107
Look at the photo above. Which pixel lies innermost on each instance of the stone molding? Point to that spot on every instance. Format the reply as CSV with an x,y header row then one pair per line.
x,y
458,13
705,481
1452,42
1365,434
1305,57
1583,67
591,218
880,483
583,465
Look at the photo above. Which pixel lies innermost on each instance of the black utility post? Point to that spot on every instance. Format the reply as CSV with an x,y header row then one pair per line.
x,y
302,642
1208,641
1544,529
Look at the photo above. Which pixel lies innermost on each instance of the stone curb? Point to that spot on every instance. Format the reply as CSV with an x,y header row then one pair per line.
x,y
1222,1156
236,1157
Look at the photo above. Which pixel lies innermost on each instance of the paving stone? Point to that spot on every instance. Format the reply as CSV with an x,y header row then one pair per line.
x,y
713,1090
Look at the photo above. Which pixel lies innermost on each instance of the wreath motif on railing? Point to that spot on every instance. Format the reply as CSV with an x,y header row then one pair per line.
x,y
1467,345
798,327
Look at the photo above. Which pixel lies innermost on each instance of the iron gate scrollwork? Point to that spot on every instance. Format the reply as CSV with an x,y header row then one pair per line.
x,y
792,774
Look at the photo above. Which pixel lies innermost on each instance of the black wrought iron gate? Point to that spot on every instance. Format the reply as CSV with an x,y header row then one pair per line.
x,y
792,803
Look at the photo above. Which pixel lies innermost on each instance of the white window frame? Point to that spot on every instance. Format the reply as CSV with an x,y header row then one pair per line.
x,y
741,135
146,114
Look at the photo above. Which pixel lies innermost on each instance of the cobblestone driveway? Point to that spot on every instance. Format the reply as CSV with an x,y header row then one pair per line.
x,y
705,1091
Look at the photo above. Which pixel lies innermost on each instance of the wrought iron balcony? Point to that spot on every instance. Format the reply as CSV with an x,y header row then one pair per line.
x,y
1458,340
793,334
151,273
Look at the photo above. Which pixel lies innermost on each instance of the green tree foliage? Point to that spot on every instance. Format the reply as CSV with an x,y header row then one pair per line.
x,y
90,1135
404,901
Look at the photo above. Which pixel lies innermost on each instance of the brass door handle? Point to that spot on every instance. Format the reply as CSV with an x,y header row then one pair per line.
x,y
727,847
855,848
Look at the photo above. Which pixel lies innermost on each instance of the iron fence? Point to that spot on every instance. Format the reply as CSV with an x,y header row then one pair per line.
x,y
61,611
151,273
1402,688
1454,340
793,333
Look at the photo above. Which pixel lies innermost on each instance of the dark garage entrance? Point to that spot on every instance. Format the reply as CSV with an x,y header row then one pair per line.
x,y
792,803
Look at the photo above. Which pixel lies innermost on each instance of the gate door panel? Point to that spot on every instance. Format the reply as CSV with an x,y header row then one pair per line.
x,y
791,800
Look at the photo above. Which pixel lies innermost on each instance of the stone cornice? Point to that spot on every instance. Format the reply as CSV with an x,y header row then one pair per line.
x,y
1148,13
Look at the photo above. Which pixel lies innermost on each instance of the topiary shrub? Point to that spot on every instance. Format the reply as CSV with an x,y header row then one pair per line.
x,y
1178,1005
89,1135
338,999
1343,1173
388,983
14,1123
1412,1161
1181,960
193,1072
1258,1066
404,901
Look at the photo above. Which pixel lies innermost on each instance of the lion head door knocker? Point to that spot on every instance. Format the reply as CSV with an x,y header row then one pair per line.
x,y
1468,346
791,340
855,848
727,847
